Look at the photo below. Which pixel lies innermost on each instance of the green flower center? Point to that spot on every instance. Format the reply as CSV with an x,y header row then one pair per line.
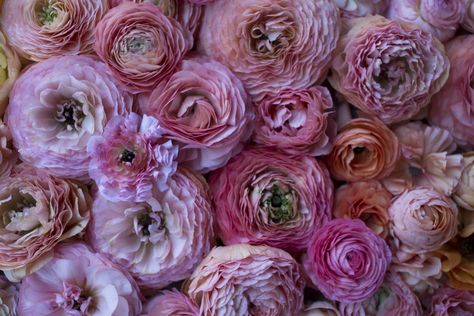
x,y
278,203
47,13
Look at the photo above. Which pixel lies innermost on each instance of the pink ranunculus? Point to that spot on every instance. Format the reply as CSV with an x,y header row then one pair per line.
x,y
38,211
320,308
453,107
56,106
201,2
464,192
360,8
205,109
130,157
468,22
272,44
79,282
171,303
40,29
8,298
9,70
8,154
296,121
452,302
141,45
347,261
265,197
161,240
247,280
388,68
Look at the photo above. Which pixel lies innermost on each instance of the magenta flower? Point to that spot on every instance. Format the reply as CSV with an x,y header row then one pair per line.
x,y
171,303
452,302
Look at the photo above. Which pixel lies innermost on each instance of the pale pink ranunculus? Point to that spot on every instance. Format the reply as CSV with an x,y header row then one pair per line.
x,y
320,308
8,298
9,70
296,121
8,154
161,240
78,281
428,159
468,22
265,197
247,280
360,8
464,192
453,107
205,109
451,302
347,261
141,45
272,44
40,29
56,106
171,303
130,158
388,68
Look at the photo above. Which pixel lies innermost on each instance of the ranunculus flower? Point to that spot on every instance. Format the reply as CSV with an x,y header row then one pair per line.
x,y
38,211
366,200
364,149
451,302
8,155
8,298
439,17
141,45
56,106
130,158
171,303
79,282
161,240
40,29
468,22
347,261
265,197
388,68
205,108
320,308
453,107
359,8
272,44
464,192
428,159
201,2
296,121
247,280
9,71
393,298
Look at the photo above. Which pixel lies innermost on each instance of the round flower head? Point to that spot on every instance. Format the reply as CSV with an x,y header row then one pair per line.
x,y
141,45
360,8
40,29
347,261
388,68
9,71
161,240
8,298
171,303
38,211
464,192
56,106
468,22
204,108
452,302
272,44
265,197
247,280
79,282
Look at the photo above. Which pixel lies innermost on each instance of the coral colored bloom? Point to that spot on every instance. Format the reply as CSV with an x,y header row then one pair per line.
x,y
171,303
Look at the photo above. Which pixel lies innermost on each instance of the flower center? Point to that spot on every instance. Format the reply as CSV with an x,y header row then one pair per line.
x,y
127,156
415,171
136,44
73,301
278,202
466,247
47,13
70,114
151,222
18,207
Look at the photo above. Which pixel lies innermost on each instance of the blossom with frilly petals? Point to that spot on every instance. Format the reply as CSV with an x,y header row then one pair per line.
x,y
171,303
161,240
296,121
247,280
364,149
366,200
38,211
127,160
439,17
464,192
40,29
265,197
359,8
468,22
451,302
8,155
427,160
388,68
141,45
320,308
347,261
79,282
272,44
205,109
453,107
56,106
8,298
9,71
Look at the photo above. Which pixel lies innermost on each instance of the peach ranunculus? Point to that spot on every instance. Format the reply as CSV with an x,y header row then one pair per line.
x,y
468,22
9,70
359,8
464,192
388,68
364,149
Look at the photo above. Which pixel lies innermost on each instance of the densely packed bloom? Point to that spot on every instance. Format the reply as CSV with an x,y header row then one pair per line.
x,y
468,22
8,298
56,106
129,158
296,121
265,197
40,29
464,192
171,303
451,302
388,68
8,155
453,107
359,8
204,108
9,71
140,45
347,261
364,149
247,280
79,282
271,44
161,240
320,308
38,211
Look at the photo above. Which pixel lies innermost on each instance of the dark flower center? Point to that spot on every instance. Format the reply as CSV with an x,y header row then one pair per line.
x,y
70,114
466,247
358,150
145,221
278,205
415,172
18,205
127,156
151,222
